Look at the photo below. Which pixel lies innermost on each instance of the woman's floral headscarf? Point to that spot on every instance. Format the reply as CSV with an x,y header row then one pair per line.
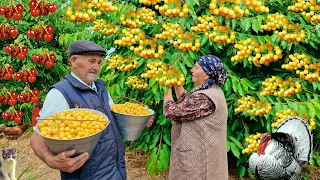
x,y
214,68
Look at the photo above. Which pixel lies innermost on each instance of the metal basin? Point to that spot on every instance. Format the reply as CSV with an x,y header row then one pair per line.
x,y
81,145
131,126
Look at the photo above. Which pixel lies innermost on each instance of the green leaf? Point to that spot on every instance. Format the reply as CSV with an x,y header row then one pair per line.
x,y
241,89
235,125
166,148
155,88
235,150
154,151
248,83
241,171
250,173
164,158
245,63
228,146
234,24
317,107
260,19
172,56
269,127
294,106
277,107
255,25
284,44
315,86
183,68
152,171
140,146
317,28
230,111
268,38
236,142
164,163
191,10
166,137
247,24
61,39
242,23
289,46
234,83
261,39
26,170
216,47
303,109
312,163
152,81
159,166
274,38
148,95
151,162
227,85
311,110
229,51
204,40
316,104
314,45
157,97
231,97
192,56
164,153
318,160
154,141
245,85
161,120
187,60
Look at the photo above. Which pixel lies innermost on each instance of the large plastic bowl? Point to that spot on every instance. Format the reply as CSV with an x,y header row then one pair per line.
x,y
131,126
81,145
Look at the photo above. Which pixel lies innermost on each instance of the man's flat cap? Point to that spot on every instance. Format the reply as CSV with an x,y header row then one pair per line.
x,y
83,47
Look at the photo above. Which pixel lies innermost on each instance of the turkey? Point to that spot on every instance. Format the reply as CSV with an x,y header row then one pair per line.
x,y
282,154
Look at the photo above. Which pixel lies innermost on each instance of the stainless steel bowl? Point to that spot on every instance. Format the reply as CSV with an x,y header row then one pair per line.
x,y
131,126
81,145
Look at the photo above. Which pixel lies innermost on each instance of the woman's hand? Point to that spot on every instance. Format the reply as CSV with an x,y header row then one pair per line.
x,y
179,91
150,122
168,95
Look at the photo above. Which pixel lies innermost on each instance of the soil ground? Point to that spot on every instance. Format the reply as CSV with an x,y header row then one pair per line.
x,y
136,162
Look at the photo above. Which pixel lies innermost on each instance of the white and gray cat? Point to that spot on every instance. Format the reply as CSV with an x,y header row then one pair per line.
x,y
8,163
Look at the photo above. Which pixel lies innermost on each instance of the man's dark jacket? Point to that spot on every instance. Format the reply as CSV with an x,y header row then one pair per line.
x,y
107,161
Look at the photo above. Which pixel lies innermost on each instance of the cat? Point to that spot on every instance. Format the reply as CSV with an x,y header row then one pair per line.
x,y
8,163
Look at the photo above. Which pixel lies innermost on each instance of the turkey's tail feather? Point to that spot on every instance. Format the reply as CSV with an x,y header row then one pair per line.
x,y
299,129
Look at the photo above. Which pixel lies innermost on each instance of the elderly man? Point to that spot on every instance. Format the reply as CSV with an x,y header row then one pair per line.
x,y
82,88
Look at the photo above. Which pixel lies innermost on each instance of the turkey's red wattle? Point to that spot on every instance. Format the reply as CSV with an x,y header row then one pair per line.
x,y
264,142
262,147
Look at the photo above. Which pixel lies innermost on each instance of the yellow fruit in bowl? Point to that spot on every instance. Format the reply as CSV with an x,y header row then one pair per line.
x,y
130,109
72,124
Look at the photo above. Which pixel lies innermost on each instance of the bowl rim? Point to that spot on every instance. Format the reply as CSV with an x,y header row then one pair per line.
x,y
37,130
150,110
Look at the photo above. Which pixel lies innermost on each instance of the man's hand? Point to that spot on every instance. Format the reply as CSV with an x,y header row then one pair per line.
x,y
150,122
64,162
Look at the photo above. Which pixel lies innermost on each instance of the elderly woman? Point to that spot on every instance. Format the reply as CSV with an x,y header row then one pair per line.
x,y
198,135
